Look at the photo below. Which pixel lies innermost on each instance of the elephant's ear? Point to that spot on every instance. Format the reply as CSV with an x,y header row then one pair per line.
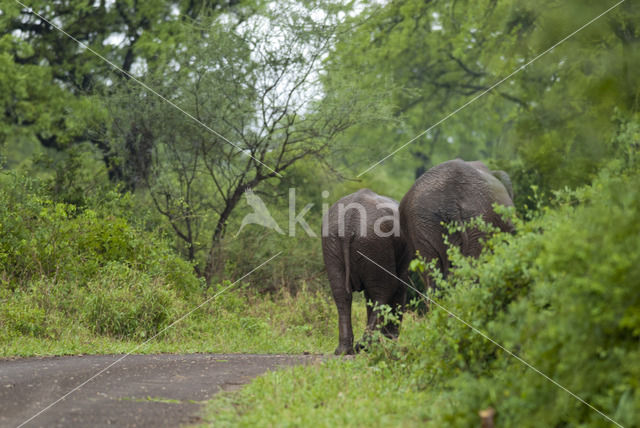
x,y
505,180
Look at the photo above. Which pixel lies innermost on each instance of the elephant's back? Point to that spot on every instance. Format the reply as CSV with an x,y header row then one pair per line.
x,y
364,205
359,212
453,190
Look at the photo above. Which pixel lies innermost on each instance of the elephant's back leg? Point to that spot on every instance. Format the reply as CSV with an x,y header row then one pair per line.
x,y
342,297
429,242
381,283
397,303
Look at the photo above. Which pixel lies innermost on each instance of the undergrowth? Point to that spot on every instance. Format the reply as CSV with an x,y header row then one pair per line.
x,y
87,279
119,319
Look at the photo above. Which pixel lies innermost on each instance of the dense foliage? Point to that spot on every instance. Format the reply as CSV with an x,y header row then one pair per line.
x,y
545,124
84,262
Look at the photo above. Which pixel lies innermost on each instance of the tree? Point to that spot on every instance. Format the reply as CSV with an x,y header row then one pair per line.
x,y
431,54
255,84
52,80
546,124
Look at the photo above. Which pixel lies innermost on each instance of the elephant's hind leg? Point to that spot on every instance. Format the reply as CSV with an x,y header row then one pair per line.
x,y
381,290
397,303
343,300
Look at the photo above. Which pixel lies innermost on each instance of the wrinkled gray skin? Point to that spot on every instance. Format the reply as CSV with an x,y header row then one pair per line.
x,y
349,271
452,192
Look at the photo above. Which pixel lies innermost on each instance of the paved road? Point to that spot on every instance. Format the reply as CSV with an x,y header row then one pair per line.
x,y
139,391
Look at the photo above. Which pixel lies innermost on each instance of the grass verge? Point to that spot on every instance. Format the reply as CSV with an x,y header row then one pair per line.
x,y
345,392
236,321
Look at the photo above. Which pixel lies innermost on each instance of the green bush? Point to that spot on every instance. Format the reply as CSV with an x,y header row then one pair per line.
x,y
64,266
23,317
40,238
126,303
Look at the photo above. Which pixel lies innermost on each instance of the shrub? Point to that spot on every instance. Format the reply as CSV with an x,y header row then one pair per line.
x,y
126,303
41,238
60,262
23,317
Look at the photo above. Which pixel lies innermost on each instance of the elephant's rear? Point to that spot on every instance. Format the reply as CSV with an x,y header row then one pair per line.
x,y
355,227
452,192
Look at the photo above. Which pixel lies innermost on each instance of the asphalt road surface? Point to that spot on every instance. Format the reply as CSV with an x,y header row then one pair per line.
x,y
139,391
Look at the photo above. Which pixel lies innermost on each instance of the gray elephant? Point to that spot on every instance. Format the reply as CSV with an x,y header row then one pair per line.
x,y
364,222
452,192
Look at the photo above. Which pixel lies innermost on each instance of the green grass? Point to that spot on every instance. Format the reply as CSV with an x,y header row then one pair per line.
x,y
338,392
236,321
344,392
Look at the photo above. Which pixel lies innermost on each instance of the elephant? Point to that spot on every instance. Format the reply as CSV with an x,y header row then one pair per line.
x,y
452,192
364,223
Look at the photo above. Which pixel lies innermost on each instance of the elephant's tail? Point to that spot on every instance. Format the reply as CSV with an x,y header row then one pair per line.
x,y
346,252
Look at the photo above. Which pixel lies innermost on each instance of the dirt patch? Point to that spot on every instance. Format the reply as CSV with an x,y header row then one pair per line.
x,y
140,391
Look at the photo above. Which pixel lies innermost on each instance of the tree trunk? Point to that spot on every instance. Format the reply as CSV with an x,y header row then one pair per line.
x,y
212,266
